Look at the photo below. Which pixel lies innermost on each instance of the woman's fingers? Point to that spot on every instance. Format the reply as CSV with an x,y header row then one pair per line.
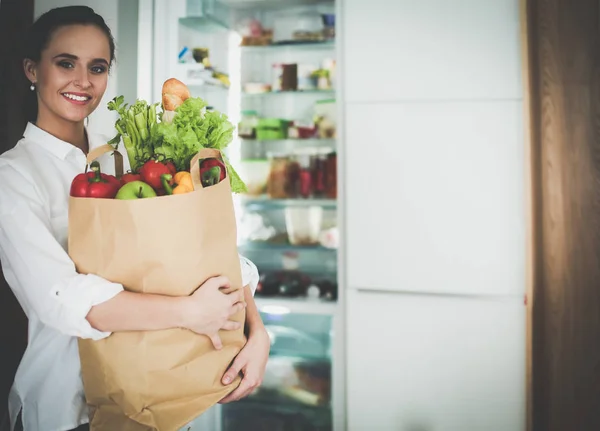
x,y
231,325
236,308
216,341
236,296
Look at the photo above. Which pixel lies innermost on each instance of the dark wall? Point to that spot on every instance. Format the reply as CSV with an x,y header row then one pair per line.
x,y
15,17
564,67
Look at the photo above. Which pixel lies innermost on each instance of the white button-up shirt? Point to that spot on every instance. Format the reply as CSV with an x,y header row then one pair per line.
x,y
35,178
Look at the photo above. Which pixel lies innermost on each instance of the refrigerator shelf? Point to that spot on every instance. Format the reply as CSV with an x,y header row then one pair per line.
x,y
320,45
298,305
264,203
268,246
312,141
297,92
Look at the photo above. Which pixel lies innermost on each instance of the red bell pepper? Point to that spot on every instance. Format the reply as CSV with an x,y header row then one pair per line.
x,y
212,171
95,184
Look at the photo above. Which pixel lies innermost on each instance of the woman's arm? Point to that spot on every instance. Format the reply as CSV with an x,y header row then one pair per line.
x,y
206,311
134,311
129,311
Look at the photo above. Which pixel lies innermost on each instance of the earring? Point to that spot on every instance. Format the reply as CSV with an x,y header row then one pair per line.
x,y
32,88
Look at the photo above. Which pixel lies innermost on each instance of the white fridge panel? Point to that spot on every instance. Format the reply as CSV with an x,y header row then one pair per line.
x,y
435,197
426,363
431,49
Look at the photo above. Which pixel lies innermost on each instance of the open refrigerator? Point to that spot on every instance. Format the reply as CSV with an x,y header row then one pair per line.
x,y
270,65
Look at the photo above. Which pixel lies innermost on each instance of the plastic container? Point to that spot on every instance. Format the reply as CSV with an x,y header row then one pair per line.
x,y
271,128
303,224
248,125
255,173
326,118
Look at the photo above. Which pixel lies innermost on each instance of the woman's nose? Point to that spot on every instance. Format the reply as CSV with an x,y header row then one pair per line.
x,y
82,80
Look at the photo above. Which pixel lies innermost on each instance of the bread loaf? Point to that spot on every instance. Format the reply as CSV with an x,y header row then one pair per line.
x,y
174,93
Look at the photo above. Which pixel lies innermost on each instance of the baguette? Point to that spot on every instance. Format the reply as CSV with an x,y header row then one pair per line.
x,y
174,93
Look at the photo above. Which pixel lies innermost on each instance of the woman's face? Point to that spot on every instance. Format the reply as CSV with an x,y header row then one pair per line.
x,y
72,73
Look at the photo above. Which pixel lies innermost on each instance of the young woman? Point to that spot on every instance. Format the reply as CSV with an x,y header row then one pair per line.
x,y
69,53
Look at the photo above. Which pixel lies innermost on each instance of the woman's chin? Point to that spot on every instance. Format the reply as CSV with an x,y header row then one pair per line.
x,y
76,117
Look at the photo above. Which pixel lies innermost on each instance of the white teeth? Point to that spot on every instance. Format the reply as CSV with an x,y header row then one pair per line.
x,y
74,97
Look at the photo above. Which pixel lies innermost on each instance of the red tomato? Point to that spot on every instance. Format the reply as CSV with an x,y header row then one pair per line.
x,y
151,172
129,177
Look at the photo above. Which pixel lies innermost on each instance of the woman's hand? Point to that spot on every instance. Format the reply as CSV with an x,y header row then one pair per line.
x,y
251,362
252,359
209,310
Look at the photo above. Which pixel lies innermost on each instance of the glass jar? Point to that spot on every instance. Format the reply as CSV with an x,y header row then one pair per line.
x,y
283,176
319,169
277,183
305,176
331,176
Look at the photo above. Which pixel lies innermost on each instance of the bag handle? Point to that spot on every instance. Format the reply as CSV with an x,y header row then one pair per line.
x,y
103,149
204,153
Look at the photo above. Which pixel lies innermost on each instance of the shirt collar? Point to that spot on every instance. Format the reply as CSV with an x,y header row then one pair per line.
x,y
56,146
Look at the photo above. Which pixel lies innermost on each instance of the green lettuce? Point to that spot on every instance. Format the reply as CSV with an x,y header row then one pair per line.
x,y
192,128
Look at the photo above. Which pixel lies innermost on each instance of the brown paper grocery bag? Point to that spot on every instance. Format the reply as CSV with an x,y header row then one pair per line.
x,y
157,380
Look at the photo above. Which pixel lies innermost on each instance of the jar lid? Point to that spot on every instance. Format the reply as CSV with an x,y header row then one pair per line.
x,y
250,112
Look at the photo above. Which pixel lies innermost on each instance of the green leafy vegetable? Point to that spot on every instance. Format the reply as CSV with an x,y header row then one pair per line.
x,y
134,126
177,136
191,129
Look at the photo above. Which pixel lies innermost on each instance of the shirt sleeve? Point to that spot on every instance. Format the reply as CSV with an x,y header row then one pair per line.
x,y
250,274
42,275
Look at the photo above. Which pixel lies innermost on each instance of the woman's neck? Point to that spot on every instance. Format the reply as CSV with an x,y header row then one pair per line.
x,y
68,131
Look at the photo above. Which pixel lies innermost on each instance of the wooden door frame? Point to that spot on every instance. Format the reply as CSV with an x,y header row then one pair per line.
x,y
530,187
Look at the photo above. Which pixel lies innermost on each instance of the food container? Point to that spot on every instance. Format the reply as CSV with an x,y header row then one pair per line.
x,y
289,77
328,25
303,224
299,130
283,176
326,118
319,172
256,88
306,82
331,176
277,75
201,55
303,158
255,173
248,124
272,128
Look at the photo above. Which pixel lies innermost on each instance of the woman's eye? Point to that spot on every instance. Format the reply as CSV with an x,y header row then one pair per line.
x,y
66,64
98,69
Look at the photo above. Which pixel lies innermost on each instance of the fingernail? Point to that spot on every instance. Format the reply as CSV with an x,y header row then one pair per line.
x,y
227,380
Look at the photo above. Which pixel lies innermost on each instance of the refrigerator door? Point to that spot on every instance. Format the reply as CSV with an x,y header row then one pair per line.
x,y
435,197
428,363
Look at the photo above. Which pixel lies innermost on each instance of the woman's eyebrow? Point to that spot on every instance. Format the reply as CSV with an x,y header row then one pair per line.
x,y
74,57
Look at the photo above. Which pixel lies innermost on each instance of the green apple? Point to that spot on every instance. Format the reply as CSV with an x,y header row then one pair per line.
x,y
135,190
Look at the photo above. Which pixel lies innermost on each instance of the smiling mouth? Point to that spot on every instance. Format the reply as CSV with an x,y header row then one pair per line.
x,y
77,97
